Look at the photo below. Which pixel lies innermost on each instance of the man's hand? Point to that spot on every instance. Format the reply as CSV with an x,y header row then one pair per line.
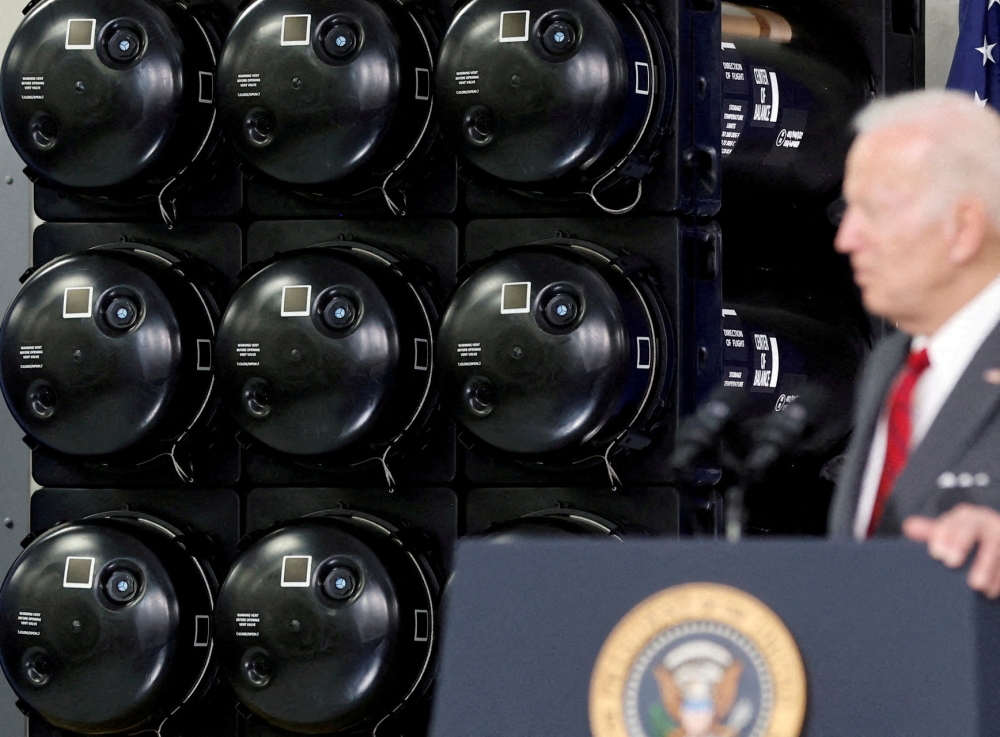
x,y
951,537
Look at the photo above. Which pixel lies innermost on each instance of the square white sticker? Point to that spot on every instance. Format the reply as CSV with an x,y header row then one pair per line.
x,y
295,30
514,25
296,571
80,33
78,301
79,573
296,300
515,297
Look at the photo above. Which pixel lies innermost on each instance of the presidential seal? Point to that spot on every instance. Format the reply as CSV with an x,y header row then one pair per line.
x,y
698,660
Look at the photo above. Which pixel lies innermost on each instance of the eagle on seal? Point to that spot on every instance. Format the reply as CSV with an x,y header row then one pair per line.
x,y
697,705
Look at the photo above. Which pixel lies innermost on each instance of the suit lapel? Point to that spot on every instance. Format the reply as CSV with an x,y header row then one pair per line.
x,y
970,405
880,371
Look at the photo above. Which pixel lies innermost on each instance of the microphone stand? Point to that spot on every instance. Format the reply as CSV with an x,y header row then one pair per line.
x,y
733,501
777,435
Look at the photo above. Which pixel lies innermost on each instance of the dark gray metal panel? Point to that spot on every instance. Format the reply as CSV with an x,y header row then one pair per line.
x,y
15,249
15,230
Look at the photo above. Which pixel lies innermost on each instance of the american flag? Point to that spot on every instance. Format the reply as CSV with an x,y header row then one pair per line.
x,y
976,66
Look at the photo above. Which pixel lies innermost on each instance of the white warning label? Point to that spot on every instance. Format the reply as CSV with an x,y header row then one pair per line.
x,y
31,86
467,82
31,356
735,377
468,354
248,84
247,621
246,354
733,118
766,363
733,70
789,138
767,97
29,623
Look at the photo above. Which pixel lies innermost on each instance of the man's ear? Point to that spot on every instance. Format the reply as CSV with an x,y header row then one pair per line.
x,y
966,230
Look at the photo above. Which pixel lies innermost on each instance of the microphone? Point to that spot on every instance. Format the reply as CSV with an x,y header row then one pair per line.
x,y
786,430
700,433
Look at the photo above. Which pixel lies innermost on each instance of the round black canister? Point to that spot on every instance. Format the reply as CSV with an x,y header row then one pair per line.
x,y
328,349
327,96
549,98
108,350
105,624
550,352
327,624
107,98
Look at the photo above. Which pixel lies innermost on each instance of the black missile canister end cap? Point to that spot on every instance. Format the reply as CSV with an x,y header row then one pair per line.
x,y
557,124
121,81
342,629
122,632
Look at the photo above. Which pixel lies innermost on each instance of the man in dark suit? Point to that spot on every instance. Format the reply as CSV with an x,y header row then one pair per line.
x,y
922,230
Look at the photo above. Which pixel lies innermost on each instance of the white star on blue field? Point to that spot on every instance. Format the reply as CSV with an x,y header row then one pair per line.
x,y
974,68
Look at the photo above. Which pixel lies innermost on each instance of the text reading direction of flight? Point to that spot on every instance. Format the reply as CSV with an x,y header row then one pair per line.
x,y
699,660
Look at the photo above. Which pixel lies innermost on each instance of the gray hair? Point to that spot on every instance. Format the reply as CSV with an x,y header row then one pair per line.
x,y
964,156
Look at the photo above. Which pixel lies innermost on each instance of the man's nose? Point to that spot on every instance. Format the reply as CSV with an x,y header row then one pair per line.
x,y
849,234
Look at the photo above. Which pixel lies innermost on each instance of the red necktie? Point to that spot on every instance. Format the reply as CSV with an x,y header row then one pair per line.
x,y
897,448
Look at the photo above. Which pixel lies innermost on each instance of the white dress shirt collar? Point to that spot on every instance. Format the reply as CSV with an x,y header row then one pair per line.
x,y
958,339
950,350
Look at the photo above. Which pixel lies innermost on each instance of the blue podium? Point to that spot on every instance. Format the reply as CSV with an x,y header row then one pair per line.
x,y
685,639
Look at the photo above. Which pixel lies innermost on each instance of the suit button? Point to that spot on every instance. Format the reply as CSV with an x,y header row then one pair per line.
x,y
947,480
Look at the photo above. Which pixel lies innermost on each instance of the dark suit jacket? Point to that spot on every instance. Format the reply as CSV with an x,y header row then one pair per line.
x,y
959,458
